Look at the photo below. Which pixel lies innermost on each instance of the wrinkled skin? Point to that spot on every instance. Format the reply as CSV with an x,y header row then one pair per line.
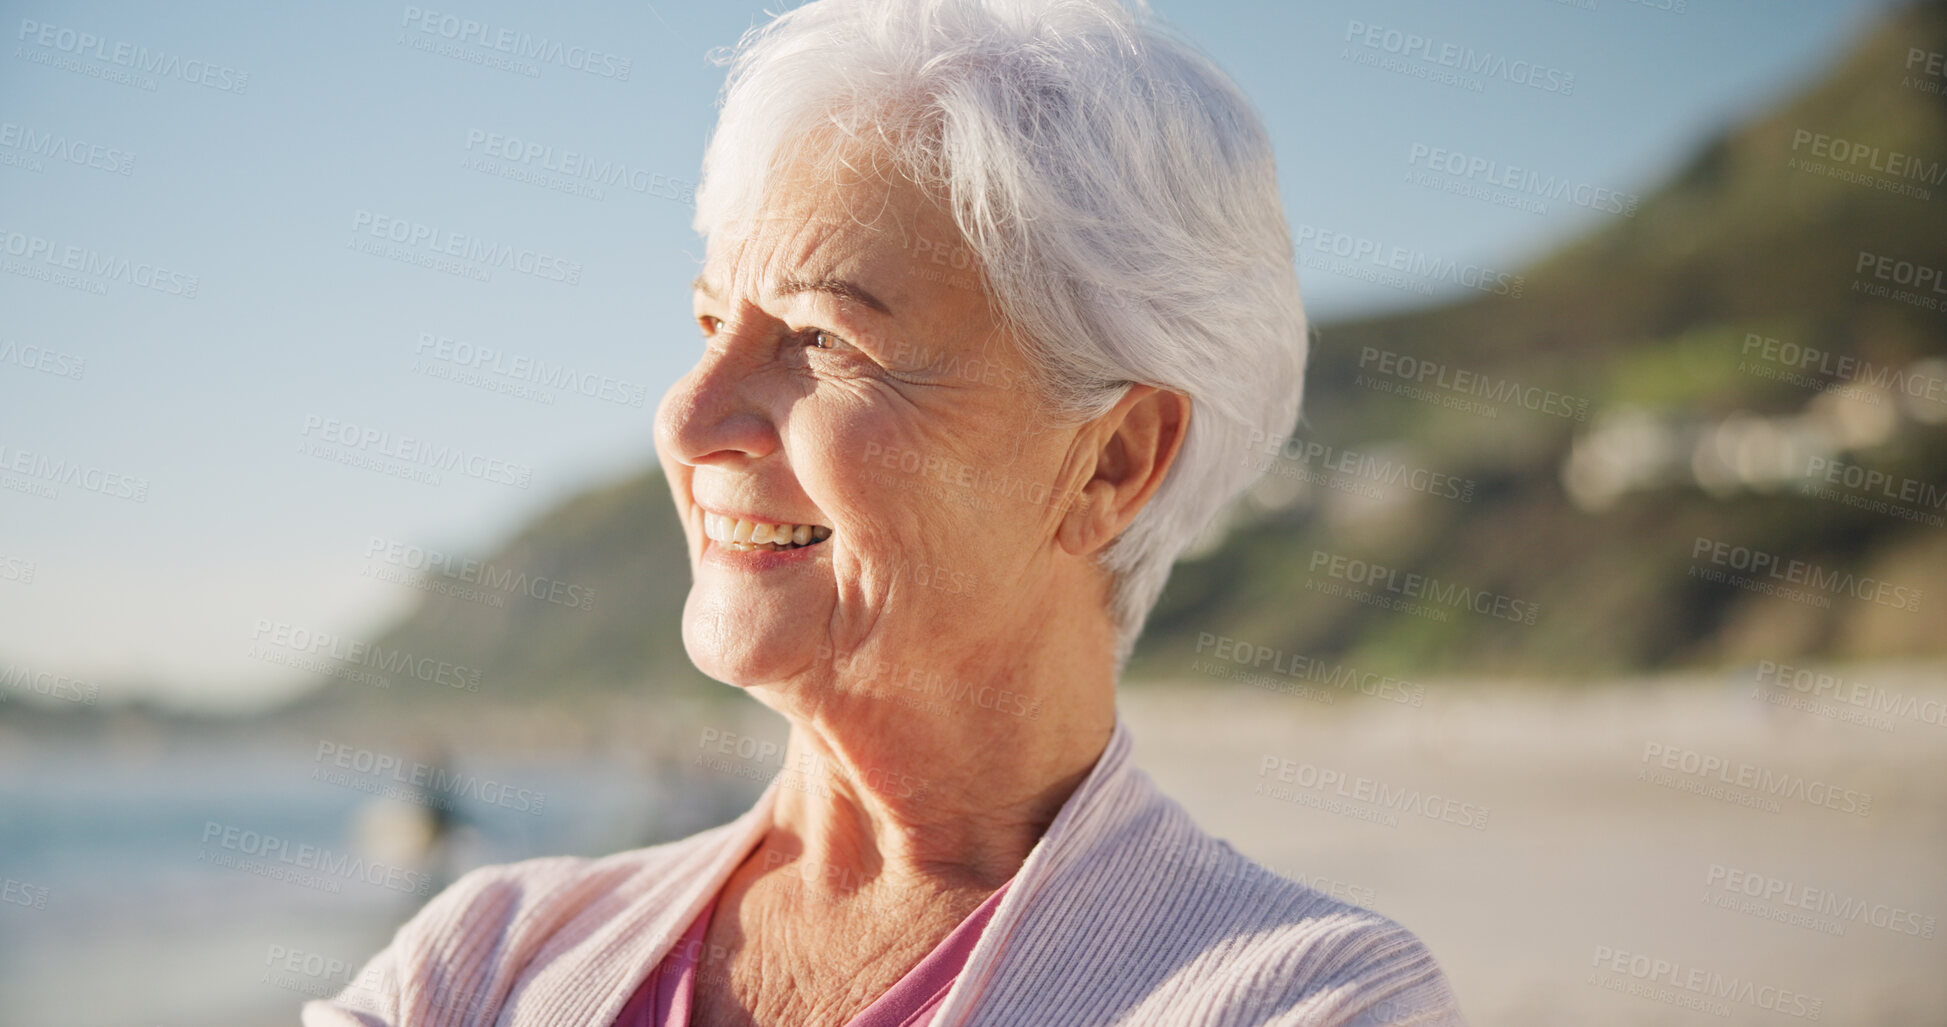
x,y
945,658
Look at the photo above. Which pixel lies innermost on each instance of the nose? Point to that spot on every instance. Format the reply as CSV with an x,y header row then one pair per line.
x,y
711,416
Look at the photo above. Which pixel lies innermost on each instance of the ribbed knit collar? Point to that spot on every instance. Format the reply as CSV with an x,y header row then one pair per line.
x,y
645,930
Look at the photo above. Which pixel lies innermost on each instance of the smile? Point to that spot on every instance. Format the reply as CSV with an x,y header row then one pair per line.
x,y
743,536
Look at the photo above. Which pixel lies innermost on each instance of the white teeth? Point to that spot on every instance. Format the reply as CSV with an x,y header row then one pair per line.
x,y
741,535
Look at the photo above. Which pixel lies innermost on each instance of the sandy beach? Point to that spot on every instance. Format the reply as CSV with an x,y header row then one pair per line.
x,y
1667,852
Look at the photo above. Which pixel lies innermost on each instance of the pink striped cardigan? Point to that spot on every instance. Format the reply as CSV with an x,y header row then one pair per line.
x,y
1124,913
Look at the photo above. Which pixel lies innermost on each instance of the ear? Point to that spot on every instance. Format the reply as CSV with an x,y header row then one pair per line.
x,y
1133,446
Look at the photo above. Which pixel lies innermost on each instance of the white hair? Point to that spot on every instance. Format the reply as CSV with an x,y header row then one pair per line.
x,y
1116,188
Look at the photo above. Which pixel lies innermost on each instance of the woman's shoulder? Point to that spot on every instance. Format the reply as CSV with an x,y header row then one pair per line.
x,y
1180,917
1273,921
519,889
1336,961
460,952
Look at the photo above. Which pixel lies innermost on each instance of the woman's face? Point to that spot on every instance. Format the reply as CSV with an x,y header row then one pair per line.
x,y
852,380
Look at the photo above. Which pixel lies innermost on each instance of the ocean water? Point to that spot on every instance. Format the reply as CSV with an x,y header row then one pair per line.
x,y
1573,842
225,882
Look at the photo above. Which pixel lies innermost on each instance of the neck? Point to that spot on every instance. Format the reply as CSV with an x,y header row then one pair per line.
x,y
936,779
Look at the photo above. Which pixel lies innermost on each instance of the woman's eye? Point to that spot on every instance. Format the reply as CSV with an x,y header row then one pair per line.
x,y
822,339
708,324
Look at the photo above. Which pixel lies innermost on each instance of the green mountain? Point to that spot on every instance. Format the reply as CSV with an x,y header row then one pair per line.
x,y
587,598
1642,331
1690,316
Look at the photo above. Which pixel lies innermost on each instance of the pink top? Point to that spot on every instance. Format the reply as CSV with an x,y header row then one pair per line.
x,y
664,999
1124,912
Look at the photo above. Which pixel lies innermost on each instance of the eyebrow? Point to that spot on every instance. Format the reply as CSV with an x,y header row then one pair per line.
x,y
833,287
830,286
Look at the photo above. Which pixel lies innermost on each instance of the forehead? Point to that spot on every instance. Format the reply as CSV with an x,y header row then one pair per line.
x,y
849,217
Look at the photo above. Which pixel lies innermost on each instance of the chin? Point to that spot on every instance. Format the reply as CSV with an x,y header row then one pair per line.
x,y
740,650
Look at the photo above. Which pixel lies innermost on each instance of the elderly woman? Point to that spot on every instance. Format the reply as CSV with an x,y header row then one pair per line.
x,y
995,291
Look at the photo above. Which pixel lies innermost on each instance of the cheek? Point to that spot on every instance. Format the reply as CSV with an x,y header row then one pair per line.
x,y
937,526
896,472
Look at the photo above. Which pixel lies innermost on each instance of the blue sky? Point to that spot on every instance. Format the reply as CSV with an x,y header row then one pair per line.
x,y
269,154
